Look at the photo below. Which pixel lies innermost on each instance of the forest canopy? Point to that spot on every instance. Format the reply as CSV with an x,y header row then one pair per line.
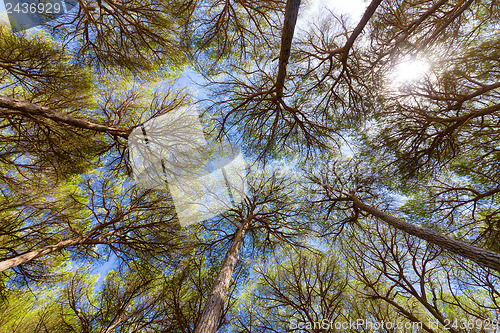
x,y
370,191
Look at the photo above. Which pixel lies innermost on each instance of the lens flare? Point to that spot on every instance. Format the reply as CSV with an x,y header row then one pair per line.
x,y
410,70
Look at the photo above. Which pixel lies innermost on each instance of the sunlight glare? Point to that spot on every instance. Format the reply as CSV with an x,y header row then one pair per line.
x,y
410,70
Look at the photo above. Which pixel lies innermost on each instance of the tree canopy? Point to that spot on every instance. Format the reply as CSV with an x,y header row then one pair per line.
x,y
372,168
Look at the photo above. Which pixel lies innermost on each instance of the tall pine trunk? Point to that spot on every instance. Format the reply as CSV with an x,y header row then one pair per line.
x,y
26,257
482,257
207,323
15,106
291,13
31,255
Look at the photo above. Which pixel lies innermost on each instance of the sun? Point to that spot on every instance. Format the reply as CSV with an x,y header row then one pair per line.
x,y
409,71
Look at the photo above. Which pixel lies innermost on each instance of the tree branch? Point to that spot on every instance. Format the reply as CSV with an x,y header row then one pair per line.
x,y
30,109
482,257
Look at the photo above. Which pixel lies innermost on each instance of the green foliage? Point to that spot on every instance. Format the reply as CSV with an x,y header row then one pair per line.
x,y
424,150
35,67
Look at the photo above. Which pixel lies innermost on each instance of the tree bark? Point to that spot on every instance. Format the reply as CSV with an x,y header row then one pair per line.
x,y
482,257
30,109
26,257
291,13
370,10
213,308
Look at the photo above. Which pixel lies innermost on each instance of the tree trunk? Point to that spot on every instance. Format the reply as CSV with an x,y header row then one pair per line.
x,y
30,109
213,308
370,10
24,258
482,257
291,13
